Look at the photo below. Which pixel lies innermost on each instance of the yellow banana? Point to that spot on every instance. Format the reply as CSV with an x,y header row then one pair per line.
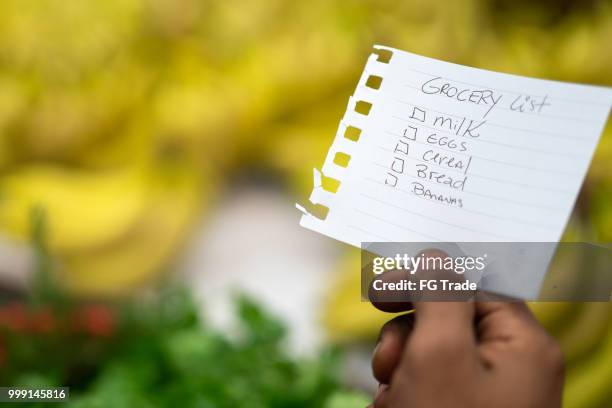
x,y
588,383
151,242
586,330
4,154
552,315
582,48
83,209
12,106
600,167
74,90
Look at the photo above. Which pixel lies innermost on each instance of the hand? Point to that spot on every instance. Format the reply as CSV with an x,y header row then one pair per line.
x,y
483,354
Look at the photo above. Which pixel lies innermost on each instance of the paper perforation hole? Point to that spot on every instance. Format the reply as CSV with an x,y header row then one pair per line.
x,y
363,107
384,56
320,211
330,184
342,159
374,82
352,133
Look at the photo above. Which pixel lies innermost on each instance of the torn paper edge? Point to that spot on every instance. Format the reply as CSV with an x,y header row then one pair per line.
x,y
340,144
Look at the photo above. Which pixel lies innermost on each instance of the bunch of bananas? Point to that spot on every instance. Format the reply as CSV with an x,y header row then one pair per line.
x,y
110,229
116,118
83,135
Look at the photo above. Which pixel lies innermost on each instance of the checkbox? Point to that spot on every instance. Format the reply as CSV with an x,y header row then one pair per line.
x,y
418,114
398,165
401,147
391,181
410,133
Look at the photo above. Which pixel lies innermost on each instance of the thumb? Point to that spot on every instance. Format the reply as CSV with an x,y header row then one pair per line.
x,y
445,323
443,329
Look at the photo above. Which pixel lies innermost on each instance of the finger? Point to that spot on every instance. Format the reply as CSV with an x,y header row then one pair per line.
x,y
394,291
435,279
388,352
505,328
444,334
446,318
445,324
503,320
442,344
391,301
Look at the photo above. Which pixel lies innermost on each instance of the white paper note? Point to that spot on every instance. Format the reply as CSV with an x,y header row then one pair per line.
x,y
452,153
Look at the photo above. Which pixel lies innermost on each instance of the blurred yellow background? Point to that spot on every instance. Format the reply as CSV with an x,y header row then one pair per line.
x,y
127,119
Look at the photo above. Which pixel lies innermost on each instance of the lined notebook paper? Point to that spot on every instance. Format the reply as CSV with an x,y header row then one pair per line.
x,y
431,151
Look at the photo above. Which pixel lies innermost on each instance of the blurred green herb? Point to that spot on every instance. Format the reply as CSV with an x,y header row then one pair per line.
x,y
43,287
157,352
